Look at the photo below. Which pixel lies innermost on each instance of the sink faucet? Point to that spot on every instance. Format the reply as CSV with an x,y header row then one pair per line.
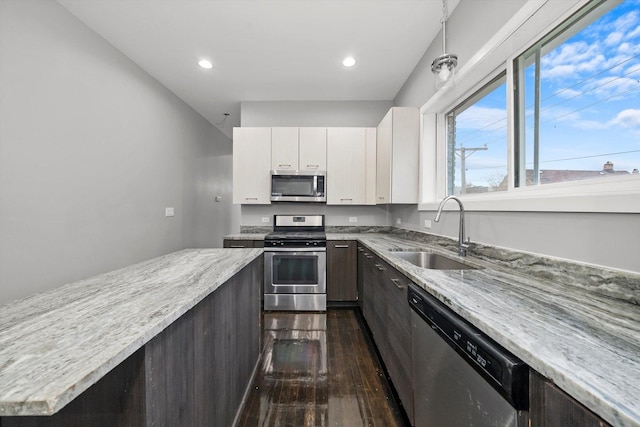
x,y
463,244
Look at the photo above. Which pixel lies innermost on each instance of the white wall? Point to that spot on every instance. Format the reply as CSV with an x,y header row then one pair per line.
x,y
92,150
605,239
334,215
313,113
321,114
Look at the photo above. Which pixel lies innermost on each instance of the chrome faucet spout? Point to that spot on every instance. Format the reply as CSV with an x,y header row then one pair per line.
x,y
463,243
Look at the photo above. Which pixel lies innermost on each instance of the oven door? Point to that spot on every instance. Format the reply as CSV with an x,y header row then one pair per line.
x,y
295,271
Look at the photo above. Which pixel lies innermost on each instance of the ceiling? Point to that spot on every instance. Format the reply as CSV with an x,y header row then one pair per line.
x,y
268,50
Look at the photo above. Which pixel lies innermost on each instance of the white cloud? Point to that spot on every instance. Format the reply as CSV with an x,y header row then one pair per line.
x,y
613,38
629,118
634,33
568,93
628,21
482,117
608,87
571,59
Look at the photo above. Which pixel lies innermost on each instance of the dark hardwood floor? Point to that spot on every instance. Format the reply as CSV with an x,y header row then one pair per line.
x,y
319,369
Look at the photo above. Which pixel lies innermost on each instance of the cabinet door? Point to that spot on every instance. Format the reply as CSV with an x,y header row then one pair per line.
x,y
398,141
360,276
380,303
312,149
370,166
346,176
399,358
549,406
233,243
341,271
368,288
284,148
251,165
405,155
384,137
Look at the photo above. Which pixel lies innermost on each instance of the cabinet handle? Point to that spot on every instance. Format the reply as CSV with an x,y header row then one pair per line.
x,y
368,256
341,246
251,198
313,166
397,283
380,267
282,166
360,250
237,246
381,197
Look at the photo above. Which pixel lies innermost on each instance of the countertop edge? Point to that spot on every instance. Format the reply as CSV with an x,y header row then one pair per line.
x,y
54,404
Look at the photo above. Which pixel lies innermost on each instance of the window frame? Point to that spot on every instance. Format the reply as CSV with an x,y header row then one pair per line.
x,y
616,195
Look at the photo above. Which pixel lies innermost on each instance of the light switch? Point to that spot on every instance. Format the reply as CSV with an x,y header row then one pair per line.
x,y
353,219
169,212
265,219
427,223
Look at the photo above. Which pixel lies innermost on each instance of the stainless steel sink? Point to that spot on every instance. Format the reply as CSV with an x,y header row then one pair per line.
x,y
432,261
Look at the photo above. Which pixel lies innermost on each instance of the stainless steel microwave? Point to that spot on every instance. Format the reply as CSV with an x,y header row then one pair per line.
x,y
298,186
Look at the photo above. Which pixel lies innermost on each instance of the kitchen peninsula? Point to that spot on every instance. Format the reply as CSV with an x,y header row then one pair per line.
x,y
116,348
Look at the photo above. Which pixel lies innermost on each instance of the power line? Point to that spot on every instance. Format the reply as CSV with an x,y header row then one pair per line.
x,y
591,156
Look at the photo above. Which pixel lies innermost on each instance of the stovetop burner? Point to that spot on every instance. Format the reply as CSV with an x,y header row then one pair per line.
x,y
296,235
297,231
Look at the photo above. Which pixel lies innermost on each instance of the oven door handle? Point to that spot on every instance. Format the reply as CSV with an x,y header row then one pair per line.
x,y
290,249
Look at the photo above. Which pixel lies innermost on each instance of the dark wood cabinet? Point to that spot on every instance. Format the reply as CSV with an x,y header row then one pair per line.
x,y
365,264
399,359
233,243
342,271
550,406
388,315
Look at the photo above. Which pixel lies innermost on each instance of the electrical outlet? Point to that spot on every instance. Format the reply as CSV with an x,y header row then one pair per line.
x,y
169,212
398,221
353,219
427,223
265,219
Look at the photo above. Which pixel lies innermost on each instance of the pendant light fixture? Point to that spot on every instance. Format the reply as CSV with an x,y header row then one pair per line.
x,y
444,65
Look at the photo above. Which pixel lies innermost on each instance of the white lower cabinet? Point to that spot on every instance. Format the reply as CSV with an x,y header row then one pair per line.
x,y
252,165
350,165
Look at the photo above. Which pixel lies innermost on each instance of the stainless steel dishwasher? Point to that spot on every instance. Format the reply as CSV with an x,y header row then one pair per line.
x,y
461,377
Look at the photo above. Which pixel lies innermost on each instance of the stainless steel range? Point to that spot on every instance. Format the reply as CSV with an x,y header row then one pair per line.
x,y
295,264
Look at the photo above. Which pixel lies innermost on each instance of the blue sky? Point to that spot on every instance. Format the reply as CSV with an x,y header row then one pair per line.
x,y
590,103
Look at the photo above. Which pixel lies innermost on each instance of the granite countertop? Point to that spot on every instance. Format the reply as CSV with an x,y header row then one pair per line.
x,y
577,325
586,342
55,345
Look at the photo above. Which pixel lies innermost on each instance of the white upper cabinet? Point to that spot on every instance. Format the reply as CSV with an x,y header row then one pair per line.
x,y
398,141
303,149
251,165
348,150
312,149
284,149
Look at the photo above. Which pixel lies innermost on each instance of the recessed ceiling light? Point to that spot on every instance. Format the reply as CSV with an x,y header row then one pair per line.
x,y
349,61
207,65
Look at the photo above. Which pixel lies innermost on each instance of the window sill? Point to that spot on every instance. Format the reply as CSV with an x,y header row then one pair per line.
x,y
614,195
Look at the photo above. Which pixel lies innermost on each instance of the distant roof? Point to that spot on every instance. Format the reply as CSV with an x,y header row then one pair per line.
x,y
548,176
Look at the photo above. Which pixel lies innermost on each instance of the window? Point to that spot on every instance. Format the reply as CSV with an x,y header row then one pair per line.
x,y
578,99
477,142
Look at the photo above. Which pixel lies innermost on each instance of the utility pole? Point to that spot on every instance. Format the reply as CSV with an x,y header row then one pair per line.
x,y
462,153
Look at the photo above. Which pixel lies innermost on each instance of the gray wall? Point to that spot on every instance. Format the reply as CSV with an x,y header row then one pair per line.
x,y
470,26
606,239
92,150
313,113
321,114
